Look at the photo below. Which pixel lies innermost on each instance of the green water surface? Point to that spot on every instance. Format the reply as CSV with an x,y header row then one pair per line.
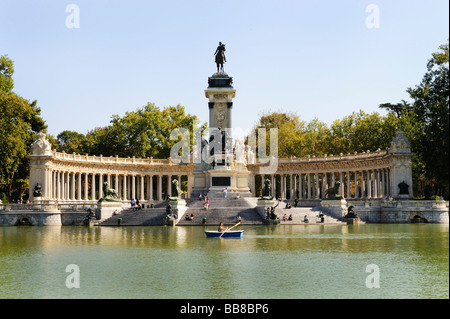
x,y
286,261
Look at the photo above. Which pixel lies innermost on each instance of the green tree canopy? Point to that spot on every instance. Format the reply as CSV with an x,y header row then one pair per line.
x,y
141,133
20,120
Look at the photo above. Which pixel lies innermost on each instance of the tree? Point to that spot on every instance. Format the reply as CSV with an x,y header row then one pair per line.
x,y
19,122
141,133
360,132
72,142
6,72
430,116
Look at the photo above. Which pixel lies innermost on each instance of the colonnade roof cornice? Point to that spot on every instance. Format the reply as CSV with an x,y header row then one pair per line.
x,y
340,163
110,165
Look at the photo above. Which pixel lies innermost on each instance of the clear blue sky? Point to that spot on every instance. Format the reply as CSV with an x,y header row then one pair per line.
x,y
315,58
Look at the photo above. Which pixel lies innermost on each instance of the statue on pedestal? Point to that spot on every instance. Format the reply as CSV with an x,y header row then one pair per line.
x,y
109,194
37,191
176,191
267,190
220,56
403,188
332,193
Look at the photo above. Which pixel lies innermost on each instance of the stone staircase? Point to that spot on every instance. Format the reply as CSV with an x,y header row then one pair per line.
x,y
223,210
142,217
312,213
220,209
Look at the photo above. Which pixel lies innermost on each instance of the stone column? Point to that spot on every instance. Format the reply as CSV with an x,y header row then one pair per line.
x,y
79,187
169,185
375,183
308,185
72,195
63,185
274,185
300,186
149,188
116,184
93,190
262,184
349,186
124,188
295,187
58,185
142,196
159,190
190,179
356,185
86,186
317,186
341,180
100,186
133,186
369,184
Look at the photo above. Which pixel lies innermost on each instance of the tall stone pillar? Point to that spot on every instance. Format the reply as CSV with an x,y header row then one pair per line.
x,y
93,190
100,186
309,185
72,193
133,186
86,186
142,196
401,166
124,188
317,186
300,186
159,187
79,187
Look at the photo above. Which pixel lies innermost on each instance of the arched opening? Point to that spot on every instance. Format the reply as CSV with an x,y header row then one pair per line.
x,y
23,221
418,219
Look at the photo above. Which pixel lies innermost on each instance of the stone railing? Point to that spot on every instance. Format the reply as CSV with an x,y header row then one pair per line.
x,y
113,160
330,158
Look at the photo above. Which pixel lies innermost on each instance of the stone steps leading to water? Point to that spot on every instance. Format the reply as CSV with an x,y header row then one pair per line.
x,y
220,209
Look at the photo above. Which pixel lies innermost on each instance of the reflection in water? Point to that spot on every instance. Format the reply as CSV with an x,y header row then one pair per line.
x,y
287,261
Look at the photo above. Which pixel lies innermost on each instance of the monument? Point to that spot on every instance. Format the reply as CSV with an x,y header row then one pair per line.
x,y
334,203
223,167
109,203
177,206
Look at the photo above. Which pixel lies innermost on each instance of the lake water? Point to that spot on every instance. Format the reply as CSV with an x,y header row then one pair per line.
x,y
287,261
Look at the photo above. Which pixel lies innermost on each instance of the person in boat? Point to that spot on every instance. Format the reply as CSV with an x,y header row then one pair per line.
x,y
222,228
239,219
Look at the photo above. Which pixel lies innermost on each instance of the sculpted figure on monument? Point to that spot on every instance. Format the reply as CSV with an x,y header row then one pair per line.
x,y
220,56
267,190
109,194
41,146
332,193
176,190
37,191
404,188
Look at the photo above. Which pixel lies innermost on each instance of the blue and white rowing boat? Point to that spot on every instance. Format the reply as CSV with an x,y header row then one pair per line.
x,y
231,233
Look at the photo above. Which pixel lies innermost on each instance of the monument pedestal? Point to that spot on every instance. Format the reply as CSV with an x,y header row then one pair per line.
x,y
264,205
105,208
352,221
179,205
334,207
